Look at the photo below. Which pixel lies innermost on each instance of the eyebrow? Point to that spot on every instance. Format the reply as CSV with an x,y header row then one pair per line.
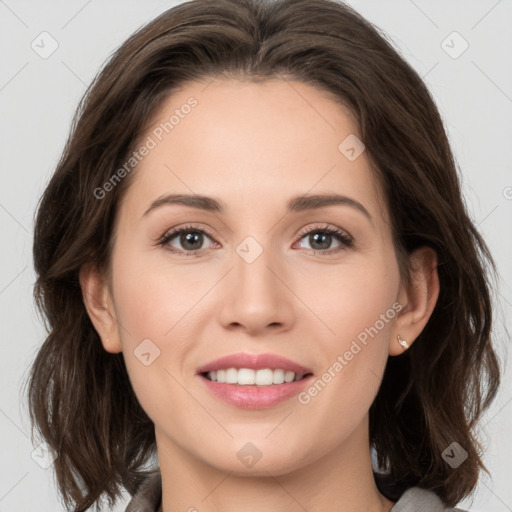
x,y
295,204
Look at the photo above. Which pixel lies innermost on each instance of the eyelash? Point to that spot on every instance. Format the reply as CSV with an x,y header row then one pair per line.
x,y
340,235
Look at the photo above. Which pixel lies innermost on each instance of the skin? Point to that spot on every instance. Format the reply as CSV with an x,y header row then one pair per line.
x,y
254,146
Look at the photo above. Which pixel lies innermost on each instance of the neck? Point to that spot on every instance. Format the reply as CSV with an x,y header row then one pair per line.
x,y
342,481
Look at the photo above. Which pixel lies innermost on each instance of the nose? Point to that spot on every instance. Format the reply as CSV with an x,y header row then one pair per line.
x,y
257,295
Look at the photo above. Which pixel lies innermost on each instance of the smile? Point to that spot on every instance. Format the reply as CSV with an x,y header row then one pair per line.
x,y
254,381
250,377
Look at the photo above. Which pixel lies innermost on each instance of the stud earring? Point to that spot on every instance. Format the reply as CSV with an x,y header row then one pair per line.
x,y
403,343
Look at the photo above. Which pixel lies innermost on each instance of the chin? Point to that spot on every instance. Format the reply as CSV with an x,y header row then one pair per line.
x,y
252,458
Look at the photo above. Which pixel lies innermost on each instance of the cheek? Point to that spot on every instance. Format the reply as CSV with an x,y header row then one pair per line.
x,y
352,298
151,299
154,306
359,307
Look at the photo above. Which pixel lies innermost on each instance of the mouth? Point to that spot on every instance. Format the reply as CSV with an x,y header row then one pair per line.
x,y
254,381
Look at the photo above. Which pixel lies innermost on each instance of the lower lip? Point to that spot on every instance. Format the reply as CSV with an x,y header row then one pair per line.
x,y
255,397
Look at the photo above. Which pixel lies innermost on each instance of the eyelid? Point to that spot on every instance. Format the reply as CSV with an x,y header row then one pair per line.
x,y
173,232
327,228
345,239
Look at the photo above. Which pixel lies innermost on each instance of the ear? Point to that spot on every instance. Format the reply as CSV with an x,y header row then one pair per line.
x,y
417,297
99,305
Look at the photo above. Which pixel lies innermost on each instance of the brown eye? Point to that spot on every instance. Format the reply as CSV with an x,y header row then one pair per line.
x,y
321,239
190,240
186,241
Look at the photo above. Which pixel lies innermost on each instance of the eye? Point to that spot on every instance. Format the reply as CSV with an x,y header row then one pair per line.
x,y
320,239
190,240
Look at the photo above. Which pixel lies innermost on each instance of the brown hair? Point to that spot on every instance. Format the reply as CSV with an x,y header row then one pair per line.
x,y
80,397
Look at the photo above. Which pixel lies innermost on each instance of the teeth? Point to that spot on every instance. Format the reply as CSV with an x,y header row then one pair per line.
x,y
249,377
231,376
245,377
278,377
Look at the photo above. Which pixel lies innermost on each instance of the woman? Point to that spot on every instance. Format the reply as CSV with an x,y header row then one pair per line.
x,y
257,268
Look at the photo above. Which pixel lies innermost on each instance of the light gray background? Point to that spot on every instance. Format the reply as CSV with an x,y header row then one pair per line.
x,y
38,97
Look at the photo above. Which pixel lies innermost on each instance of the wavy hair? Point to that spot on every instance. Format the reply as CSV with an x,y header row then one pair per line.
x,y
79,396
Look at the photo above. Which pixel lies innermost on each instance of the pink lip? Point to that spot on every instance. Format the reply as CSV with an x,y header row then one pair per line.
x,y
254,362
254,397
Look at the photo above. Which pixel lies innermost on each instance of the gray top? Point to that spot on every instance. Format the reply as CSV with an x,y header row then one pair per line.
x,y
149,497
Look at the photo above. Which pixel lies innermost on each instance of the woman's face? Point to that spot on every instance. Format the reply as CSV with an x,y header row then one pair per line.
x,y
265,278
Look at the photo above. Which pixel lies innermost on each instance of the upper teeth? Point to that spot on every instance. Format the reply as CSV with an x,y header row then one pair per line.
x,y
247,376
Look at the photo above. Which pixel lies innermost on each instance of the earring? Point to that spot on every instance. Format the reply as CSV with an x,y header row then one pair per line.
x,y
402,342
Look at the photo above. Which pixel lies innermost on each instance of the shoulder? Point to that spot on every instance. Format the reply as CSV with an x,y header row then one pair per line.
x,y
416,499
149,495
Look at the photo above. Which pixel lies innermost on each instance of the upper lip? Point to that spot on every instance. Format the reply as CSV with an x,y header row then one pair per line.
x,y
254,362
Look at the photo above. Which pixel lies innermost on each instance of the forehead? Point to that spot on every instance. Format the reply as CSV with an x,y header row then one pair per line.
x,y
252,144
